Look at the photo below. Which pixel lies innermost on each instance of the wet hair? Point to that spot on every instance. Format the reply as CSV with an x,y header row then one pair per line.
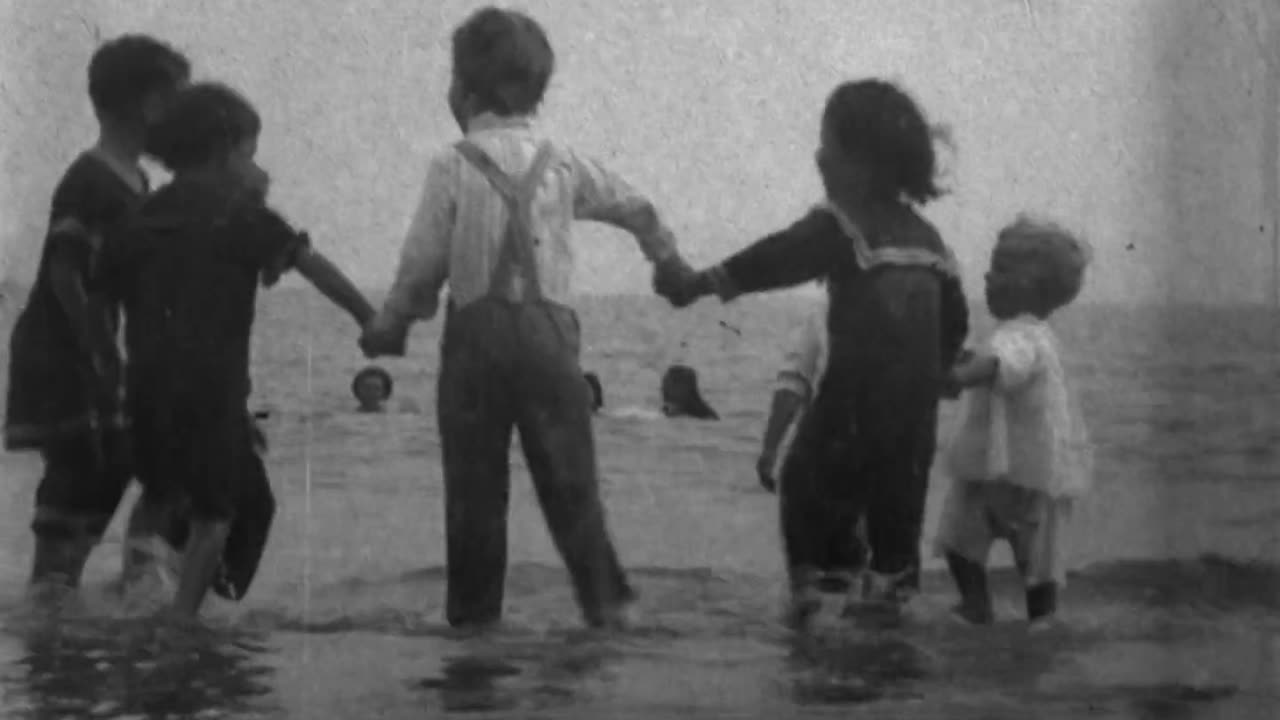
x,y
125,71
1053,257
373,371
876,124
597,390
504,59
204,122
681,396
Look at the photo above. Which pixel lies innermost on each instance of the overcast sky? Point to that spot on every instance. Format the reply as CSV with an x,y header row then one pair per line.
x,y
1140,122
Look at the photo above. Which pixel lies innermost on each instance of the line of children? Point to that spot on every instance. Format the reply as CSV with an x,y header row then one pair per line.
x,y
897,320
494,222
65,371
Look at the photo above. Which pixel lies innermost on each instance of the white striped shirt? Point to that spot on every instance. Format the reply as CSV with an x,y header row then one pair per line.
x,y
457,232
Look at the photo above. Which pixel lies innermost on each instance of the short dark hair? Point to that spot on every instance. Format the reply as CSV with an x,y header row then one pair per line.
x,y
204,121
372,371
504,59
876,123
125,70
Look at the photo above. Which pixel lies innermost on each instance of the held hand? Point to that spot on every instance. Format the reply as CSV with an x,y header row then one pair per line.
x,y
379,340
764,470
676,282
951,388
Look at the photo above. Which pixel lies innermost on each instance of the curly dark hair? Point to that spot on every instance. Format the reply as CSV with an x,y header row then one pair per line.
x,y
875,123
504,59
204,121
125,70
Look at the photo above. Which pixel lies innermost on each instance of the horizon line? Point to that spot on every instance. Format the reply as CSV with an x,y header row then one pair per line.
x,y
799,294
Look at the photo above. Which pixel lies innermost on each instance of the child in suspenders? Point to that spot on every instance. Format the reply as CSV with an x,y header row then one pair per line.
x,y
494,223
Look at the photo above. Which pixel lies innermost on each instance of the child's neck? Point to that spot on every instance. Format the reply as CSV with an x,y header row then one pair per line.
x,y
122,151
119,144
859,205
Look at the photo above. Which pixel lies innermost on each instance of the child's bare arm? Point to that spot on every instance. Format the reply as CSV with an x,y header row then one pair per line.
x,y
334,284
786,406
978,370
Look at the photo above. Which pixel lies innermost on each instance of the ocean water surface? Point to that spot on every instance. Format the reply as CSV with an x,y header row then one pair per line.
x,y
1174,612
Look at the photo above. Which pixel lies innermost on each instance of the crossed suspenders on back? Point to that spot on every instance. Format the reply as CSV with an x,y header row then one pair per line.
x,y
516,258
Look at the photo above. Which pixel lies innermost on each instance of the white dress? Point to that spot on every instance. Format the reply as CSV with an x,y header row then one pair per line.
x,y
1019,457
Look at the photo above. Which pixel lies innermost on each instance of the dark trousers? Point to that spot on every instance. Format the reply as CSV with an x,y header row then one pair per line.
x,y
835,476
514,366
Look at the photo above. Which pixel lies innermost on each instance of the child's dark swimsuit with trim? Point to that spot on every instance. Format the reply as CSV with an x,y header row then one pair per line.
x,y
897,319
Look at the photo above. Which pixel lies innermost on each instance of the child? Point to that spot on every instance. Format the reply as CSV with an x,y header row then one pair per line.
x,y
186,269
494,222
897,319
372,387
65,384
1021,456
805,364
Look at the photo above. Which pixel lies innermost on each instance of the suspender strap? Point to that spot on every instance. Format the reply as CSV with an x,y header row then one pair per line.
x,y
517,250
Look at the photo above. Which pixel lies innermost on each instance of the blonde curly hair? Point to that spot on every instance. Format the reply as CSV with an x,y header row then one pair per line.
x,y
1054,258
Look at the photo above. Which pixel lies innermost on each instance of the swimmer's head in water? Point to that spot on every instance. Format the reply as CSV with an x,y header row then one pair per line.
x,y
681,396
597,390
372,387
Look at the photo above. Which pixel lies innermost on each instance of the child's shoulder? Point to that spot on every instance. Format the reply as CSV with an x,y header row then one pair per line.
x,y
87,179
1023,331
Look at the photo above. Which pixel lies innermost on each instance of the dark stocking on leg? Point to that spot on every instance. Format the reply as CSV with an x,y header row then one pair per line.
x,y
975,596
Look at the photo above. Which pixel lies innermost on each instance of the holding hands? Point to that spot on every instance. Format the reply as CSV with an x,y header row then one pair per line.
x,y
677,282
382,337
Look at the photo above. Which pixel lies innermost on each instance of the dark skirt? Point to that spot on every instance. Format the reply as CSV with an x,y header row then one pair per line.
x,y
50,390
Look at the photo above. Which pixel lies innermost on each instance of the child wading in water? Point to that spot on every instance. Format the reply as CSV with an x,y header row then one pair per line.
x,y
65,393
187,268
1021,456
494,221
897,320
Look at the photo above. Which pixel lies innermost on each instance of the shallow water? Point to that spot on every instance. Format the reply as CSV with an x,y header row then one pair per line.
x,y
1175,612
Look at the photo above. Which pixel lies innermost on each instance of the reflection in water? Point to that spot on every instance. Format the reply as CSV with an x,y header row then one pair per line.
x,y
470,684
528,676
843,667
134,668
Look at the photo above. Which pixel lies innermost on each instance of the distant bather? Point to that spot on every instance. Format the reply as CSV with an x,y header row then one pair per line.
x,y
681,396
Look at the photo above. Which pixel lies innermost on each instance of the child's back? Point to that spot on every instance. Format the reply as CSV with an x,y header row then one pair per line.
x,y
495,224
897,318
189,266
